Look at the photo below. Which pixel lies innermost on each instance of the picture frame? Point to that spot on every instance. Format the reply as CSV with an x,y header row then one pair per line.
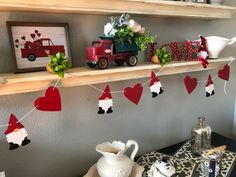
x,y
32,42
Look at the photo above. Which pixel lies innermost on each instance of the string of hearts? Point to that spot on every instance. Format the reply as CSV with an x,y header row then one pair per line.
x,y
51,101
192,82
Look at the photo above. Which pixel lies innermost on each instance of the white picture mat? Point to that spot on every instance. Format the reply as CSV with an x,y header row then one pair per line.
x,y
56,34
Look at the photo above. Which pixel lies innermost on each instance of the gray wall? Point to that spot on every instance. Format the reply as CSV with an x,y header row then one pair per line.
x,y
63,144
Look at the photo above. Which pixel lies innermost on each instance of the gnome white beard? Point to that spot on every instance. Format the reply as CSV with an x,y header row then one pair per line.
x,y
156,87
210,88
105,104
202,54
17,137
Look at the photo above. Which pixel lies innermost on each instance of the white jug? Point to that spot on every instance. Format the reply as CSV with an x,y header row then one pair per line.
x,y
216,44
114,162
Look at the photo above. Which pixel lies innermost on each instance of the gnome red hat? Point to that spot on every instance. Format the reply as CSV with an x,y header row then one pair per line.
x,y
13,124
203,46
154,79
106,94
209,81
210,90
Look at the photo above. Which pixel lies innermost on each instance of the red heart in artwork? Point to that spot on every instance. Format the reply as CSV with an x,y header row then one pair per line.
x,y
134,94
17,40
38,34
32,35
224,73
190,83
23,37
50,102
36,31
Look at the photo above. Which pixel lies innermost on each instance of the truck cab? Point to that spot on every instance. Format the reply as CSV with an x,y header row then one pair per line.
x,y
40,48
104,50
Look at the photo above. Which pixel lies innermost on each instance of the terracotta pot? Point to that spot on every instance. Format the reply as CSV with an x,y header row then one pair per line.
x,y
48,68
155,59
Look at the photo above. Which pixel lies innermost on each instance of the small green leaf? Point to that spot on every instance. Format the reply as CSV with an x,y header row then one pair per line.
x,y
54,60
58,55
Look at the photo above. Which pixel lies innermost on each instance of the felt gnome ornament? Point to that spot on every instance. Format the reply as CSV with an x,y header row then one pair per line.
x,y
105,102
209,87
155,85
203,54
16,134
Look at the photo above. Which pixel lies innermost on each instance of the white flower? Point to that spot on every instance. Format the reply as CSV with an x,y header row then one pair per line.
x,y
131,23
113,32
134,25
109,30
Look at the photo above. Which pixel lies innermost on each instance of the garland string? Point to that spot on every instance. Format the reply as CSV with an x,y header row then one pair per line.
x,y
225,88
28,113
96,88
23,117
56,83
216,76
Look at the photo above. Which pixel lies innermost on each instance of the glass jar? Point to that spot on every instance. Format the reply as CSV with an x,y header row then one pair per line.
x,y
211,164
200,137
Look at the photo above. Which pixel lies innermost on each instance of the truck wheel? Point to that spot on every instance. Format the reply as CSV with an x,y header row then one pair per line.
x,y
119,62
102,63
31,57
132,61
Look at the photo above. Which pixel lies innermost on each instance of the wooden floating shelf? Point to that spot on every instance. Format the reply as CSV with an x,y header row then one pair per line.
x,y
147,7
36,81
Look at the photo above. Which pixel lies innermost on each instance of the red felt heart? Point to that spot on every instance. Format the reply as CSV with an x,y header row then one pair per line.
x,y
50,102
38,34
134,94
23,37
32,35
190,83
224,73
17,40
36,31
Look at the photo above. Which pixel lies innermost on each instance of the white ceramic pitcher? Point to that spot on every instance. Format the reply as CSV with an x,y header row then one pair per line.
x,y
114,162
216,44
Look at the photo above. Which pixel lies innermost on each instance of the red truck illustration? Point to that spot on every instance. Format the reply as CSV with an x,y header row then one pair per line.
x,y
40,48
106,50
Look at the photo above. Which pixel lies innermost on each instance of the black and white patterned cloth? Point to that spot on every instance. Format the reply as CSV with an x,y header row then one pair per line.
x,y
227,162
184,168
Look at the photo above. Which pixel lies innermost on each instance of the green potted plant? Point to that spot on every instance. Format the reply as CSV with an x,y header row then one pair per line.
x,y
126,31
163,55
58,64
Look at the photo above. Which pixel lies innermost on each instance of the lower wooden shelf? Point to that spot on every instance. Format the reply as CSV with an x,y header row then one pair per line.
x,y
36,81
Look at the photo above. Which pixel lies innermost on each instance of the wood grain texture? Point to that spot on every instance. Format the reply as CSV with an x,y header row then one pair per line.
x,y
36,81
147,7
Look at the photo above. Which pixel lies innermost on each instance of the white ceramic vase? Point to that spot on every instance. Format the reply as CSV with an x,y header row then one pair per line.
x,y
114,162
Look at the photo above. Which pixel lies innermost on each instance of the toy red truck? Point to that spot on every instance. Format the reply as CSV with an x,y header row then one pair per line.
x,y
40,48
106,50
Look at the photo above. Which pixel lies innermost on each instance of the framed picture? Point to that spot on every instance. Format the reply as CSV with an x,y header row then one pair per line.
x,y
32,42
